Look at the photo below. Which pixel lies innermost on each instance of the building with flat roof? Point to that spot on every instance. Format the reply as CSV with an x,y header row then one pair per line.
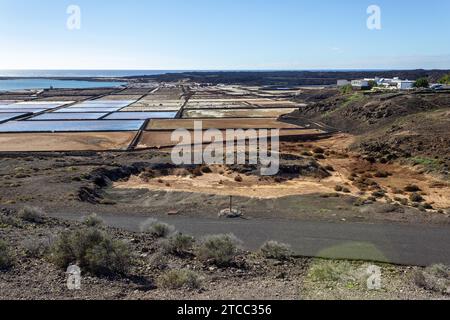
x,y
404,84
342,83
360,84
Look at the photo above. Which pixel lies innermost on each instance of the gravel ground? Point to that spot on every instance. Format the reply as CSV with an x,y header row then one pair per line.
x,y
252,277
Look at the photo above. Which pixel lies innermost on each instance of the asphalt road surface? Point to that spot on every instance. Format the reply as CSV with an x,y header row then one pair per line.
x,y
392,243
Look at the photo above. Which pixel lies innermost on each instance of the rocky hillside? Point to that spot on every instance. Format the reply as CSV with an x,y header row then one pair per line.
x,y
413,126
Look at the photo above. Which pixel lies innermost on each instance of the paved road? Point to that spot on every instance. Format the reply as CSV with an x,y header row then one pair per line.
x,y
399,244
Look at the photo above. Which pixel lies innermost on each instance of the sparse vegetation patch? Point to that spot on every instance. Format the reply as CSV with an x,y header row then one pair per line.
x,y
220,250
435,278
93,221
6,259
179,279
178,244
276,250
32,215
157,229
93,251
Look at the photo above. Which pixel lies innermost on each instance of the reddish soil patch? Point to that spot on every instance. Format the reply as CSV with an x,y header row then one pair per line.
x,y
220,182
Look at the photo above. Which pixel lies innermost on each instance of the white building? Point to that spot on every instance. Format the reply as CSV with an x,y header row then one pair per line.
x,y
360,84
404,84
342,83
384,82
394,83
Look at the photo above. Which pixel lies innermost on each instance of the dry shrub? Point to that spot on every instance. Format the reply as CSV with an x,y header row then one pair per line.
x,y
220,250
178,279
276,250
93,251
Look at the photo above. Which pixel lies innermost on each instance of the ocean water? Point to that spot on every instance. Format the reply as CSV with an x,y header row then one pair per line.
x,y
83,73
124,73
30,78
25,84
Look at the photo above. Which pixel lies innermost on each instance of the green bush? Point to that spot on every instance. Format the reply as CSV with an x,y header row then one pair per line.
x,y
276,250
329,271
445,79
422,83
178,244
32,215
157,229
178,279
347,89
6,259
93,221
220,250
93,251
372,84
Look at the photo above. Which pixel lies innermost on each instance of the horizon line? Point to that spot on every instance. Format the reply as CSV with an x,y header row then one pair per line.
x,y
236,70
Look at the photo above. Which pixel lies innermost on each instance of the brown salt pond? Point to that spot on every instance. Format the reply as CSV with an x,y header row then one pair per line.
x,y
238,113
161,139
243,123
86,141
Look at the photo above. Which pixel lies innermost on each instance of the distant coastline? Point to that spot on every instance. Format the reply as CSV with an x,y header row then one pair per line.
x,y
243,77
80,74
19,84
99,74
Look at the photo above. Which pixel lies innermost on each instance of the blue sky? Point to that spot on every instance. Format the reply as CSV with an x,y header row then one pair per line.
x,y
224,34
